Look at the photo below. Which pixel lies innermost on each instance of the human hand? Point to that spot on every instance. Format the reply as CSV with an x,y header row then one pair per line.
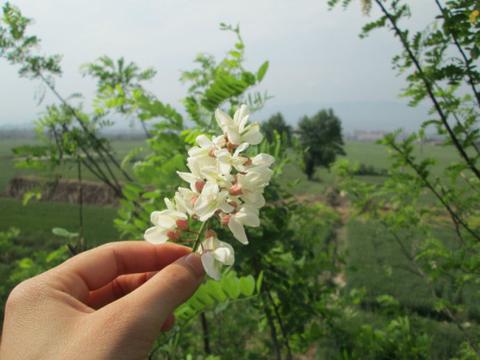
x,y
106,303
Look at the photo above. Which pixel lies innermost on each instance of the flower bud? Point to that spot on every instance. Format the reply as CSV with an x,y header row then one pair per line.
x,y
248,162
235,190
199,185
174,234
182,224
225,219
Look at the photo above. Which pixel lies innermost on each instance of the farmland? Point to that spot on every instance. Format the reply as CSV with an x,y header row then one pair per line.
x,y
373,259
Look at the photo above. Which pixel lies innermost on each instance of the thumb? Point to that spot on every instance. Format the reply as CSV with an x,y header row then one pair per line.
x,y
155,301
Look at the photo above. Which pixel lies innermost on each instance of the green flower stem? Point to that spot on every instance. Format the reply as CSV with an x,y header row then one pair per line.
x,y
197,240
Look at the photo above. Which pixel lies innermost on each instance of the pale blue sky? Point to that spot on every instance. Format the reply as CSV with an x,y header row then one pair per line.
x,y
315,55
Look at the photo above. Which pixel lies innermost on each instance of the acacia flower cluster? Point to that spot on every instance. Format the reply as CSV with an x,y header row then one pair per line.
x,y
225,186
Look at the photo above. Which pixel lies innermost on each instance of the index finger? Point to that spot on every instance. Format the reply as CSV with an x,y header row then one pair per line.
x,y
97,267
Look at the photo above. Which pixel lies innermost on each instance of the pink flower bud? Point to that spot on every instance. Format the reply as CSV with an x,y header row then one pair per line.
x,y
235,190
225,219
199,185
182,224
174,234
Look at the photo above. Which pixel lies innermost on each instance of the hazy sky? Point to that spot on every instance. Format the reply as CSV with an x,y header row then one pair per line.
x,y
315,55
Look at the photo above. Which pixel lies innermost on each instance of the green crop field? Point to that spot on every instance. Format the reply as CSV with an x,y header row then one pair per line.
x,y
373,260
36,220
12,213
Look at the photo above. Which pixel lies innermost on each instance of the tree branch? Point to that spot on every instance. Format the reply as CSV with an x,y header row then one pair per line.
x,y
429,88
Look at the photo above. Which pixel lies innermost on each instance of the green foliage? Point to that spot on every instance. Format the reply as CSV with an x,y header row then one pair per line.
x,y
217,295
18,48
15,270
321,136
431,215
395,341
212,84
277,124
39,262
116,80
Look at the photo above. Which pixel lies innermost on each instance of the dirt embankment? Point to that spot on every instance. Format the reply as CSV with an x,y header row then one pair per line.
x,y
62,190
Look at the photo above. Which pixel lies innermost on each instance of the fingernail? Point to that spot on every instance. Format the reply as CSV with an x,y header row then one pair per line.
x,y
195,263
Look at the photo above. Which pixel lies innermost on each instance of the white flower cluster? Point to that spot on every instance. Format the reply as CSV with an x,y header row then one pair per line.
x,y
225,184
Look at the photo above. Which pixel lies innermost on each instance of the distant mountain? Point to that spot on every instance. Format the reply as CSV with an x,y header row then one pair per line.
x,y
374,115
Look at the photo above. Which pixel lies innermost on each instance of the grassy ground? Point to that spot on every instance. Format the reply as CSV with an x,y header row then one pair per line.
x,y
36,221
376,263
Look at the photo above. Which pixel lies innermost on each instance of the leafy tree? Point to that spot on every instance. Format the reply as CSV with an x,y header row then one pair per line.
x,y
432,212
276,123
321,137
118,85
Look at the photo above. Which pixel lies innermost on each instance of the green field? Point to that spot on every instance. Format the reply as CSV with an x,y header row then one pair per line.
x,y
373,260
9,170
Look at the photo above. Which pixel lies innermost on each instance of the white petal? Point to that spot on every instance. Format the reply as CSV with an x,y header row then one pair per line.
x,y
219,141
204,208
237,230
223,119
225,207
208,244
224,167
253,135
188,177
263,160
203,141
224,253
255,199
156,235
212,268
169,203
233,135
205,214
210,189
201,204
242,147
248,216
241,117
197,151
183,199
165,221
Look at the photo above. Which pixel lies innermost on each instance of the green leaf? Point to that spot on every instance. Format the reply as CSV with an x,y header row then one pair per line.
x,y
63,233
247,285
29,195
262,71
216,295
231,286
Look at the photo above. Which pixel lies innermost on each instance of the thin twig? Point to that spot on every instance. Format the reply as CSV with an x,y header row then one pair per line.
x,y
429,88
